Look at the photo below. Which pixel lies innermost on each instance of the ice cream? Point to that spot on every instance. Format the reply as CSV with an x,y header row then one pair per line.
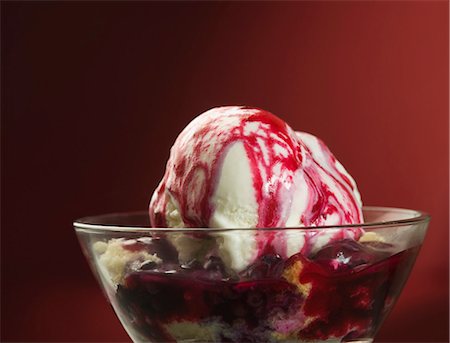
x,y
270,281
243,167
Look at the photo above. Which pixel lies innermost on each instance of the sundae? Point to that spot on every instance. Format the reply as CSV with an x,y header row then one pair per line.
x,y
256,239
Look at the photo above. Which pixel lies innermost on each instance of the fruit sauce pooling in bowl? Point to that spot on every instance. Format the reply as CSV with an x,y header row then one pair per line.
x,y
341,292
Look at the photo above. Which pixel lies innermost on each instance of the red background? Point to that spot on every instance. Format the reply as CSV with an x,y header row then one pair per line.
x,y
95,93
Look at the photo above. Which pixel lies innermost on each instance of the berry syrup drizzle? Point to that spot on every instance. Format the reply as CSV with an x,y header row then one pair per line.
x,y
343,291
277,156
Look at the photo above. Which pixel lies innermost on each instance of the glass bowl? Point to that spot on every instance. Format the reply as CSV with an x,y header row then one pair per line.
x,y
333,284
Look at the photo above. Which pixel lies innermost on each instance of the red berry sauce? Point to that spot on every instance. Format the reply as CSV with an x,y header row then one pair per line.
x,y
343,291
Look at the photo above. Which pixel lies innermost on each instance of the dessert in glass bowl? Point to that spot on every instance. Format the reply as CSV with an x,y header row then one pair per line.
x,y
256,233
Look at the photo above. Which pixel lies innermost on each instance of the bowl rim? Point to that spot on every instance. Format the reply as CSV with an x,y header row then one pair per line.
x,y
417,217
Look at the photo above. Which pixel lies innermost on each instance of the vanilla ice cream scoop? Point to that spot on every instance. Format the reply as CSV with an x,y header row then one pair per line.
x,y
243,167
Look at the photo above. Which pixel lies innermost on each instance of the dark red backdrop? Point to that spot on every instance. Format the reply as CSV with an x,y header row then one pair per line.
x,y
94,94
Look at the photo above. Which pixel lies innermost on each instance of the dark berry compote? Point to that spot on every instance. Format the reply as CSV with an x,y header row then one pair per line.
x,y
340,293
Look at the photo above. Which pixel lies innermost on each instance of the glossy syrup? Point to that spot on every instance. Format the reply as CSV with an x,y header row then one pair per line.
x,y
349,287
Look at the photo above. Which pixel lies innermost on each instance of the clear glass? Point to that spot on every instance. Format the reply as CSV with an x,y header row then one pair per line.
x,y
333,284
